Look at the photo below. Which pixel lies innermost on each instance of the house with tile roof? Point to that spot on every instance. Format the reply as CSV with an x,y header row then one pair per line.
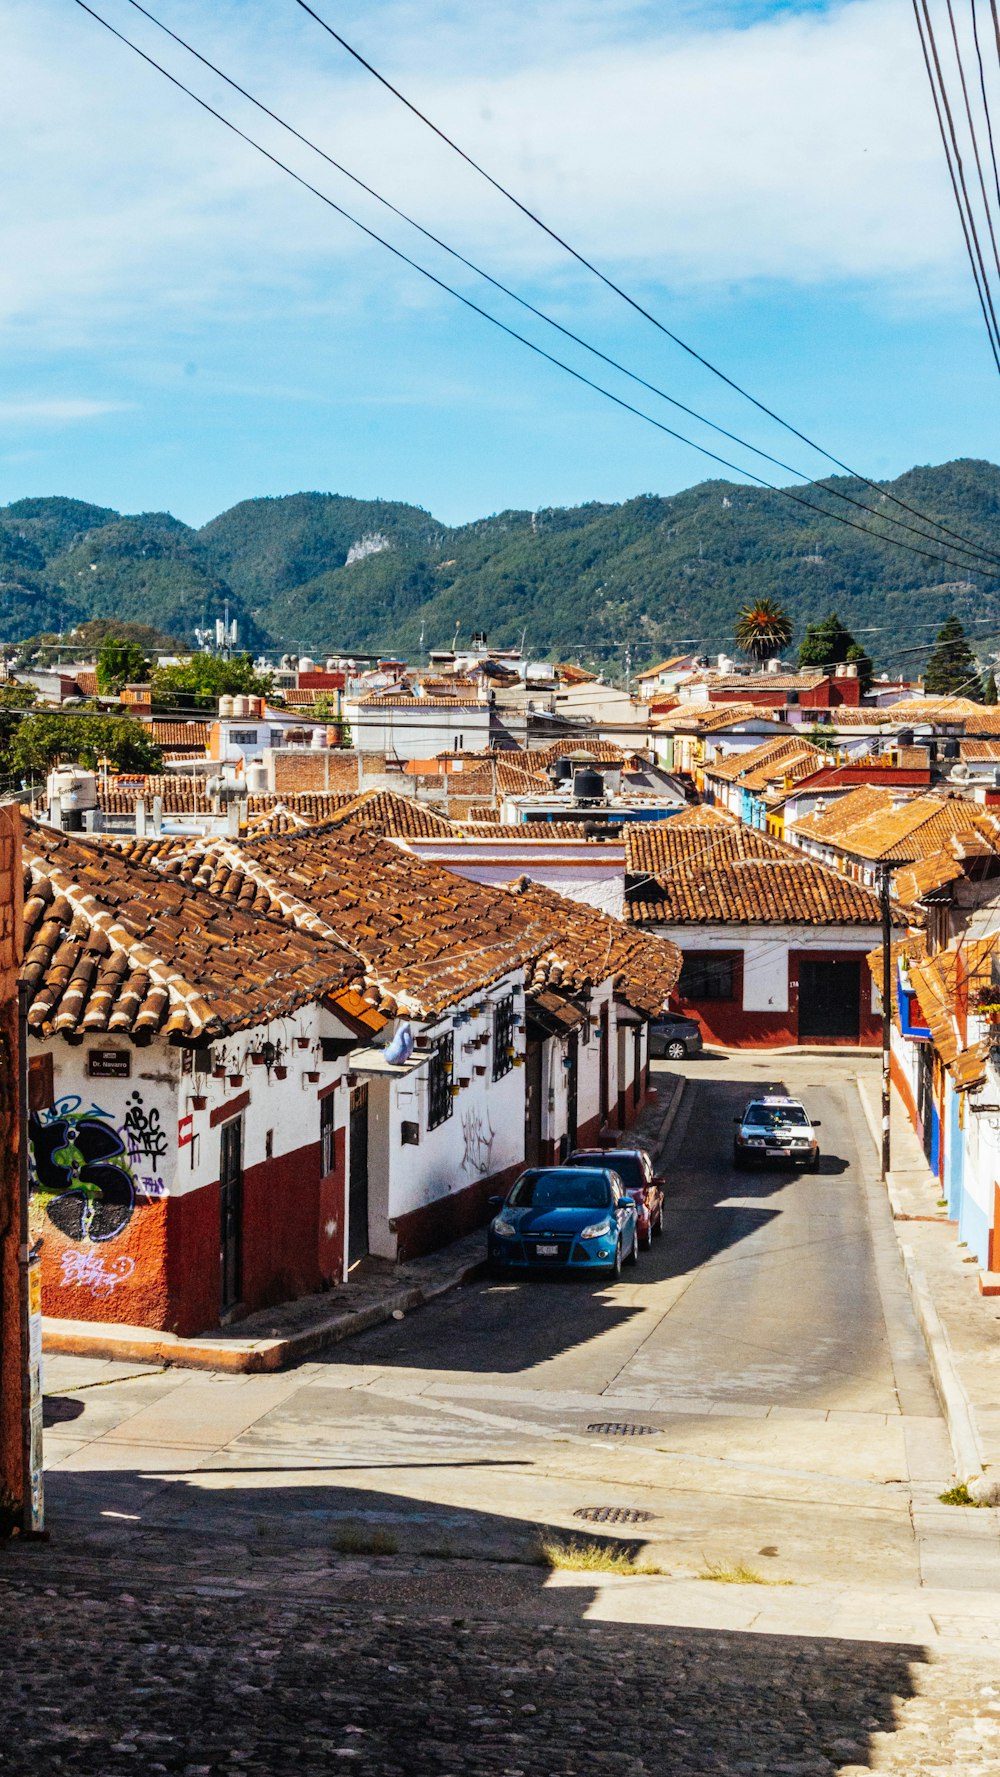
x,y
775,945
188,1111
875,827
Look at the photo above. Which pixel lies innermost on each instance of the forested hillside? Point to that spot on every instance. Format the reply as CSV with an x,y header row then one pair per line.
x,y
323,572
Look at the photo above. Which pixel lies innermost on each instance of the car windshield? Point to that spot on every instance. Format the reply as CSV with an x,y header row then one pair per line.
x,y
566,1189
771,1116
627,1166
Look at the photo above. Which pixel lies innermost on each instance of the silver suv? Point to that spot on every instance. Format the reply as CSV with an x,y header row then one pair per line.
x,y
776,1128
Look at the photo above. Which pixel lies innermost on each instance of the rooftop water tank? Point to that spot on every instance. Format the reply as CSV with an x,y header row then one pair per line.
x,y
226,707
75,787
588,786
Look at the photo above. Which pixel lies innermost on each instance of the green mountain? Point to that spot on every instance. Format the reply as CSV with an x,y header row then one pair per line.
x,y
321,572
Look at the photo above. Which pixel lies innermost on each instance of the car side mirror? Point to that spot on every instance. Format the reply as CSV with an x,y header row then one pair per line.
x,y
661,1182
817,1124
737,1119
495,1203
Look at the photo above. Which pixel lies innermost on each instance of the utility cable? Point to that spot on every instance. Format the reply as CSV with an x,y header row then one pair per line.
x,y
511,332
611,285
972,130
982,87
953,160
973,549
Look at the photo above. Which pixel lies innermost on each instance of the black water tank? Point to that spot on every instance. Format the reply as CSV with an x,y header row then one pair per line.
x,y
588,786
562,771
950,749
905,737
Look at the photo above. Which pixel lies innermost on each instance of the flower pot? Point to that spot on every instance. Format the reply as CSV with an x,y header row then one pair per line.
x,y
481,1071
281,1073
312,1075
352,1079
235,1079
218,1073
257,1058
302,1042
455,1091
199,1103
465,1080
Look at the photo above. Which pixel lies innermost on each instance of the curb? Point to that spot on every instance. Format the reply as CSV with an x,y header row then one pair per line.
x,y
955,1402
140,1345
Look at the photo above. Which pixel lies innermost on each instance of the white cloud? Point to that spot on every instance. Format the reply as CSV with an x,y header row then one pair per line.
x,y
797,148
58,412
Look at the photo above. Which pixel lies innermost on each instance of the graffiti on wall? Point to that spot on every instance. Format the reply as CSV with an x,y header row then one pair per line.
x,y
146,1137
89,1270
478,1136
80,1171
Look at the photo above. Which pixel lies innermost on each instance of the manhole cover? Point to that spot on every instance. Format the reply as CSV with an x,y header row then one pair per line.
x,y
613,1429
614,1515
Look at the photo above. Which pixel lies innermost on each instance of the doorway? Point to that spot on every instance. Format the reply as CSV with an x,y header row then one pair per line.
x,y
357,1213
533,1104
605,1067
572,1059
830,999
231,1212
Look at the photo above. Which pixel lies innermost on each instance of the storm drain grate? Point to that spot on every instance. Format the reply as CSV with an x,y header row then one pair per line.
x,y
613,1428
614,1515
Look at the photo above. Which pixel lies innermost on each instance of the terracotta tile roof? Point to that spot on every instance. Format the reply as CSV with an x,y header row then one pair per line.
x,y
112,946
591,946
87,682
801,762
787,681
704,814
186,735
915,829
846,716
839,817
693,876
603,752
706,718
769,756
406,700
933,709
935,981
422,936
985,721
980,752
663,666
187,795
396,816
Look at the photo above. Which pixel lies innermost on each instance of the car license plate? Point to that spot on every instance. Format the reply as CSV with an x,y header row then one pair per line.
x,y
779,1153
547,1252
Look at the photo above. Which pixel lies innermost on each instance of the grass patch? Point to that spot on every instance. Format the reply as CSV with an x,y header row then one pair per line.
x,y
736,1574
590,1557
958,1496
357,1539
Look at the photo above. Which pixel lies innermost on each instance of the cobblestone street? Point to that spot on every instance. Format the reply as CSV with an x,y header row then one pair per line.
x,y
103,1681
260,1574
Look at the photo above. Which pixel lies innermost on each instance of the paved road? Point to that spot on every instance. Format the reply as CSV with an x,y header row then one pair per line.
x,y
780,1415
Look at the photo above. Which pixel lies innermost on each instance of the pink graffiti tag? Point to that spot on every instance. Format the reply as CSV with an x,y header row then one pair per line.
x,y
92,1271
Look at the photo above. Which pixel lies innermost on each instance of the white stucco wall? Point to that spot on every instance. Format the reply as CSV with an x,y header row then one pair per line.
x,y
593,874
765,951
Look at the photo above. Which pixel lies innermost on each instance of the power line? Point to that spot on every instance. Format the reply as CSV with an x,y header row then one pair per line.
x,y
975,550
511,332
610,283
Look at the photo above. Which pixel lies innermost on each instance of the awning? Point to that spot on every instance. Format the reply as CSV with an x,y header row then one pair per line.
x,y
627,1014
373,1061
548,1014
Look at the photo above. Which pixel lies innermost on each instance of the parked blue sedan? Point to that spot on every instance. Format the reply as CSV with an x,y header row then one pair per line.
x,y
571,1217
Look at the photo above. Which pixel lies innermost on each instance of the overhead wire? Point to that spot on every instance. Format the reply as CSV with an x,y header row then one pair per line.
x,y
978,552
956,173
512,333
610,283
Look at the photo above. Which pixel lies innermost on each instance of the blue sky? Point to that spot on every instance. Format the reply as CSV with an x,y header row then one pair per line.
x,y
182,327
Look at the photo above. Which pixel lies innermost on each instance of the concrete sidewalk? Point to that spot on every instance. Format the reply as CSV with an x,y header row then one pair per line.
x,y
274,1338
960,1326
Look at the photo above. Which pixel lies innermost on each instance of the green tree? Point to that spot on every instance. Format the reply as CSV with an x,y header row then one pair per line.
x,y
120,663
825,643
951,667
989,692
204,679
763,629
43,740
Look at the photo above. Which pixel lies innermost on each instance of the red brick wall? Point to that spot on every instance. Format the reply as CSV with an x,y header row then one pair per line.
x,y
11,1473
328,768
435,1224
725,1022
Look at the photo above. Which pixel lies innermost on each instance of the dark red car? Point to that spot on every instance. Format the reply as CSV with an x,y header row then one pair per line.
x,y
644,1186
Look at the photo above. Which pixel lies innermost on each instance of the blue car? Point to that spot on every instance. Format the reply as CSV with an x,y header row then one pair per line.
x,y
570,1217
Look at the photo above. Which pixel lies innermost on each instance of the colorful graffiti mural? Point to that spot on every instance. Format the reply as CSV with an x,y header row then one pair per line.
x,y
80,1172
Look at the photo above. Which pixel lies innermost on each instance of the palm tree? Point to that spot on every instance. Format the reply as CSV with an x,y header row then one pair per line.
x,y
763,629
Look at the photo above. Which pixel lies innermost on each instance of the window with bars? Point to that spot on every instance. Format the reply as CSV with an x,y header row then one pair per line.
x,y
708,975
503,1036
440,1103
327,1135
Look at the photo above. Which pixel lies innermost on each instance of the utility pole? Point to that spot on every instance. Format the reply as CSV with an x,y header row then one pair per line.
x,y
886,1019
